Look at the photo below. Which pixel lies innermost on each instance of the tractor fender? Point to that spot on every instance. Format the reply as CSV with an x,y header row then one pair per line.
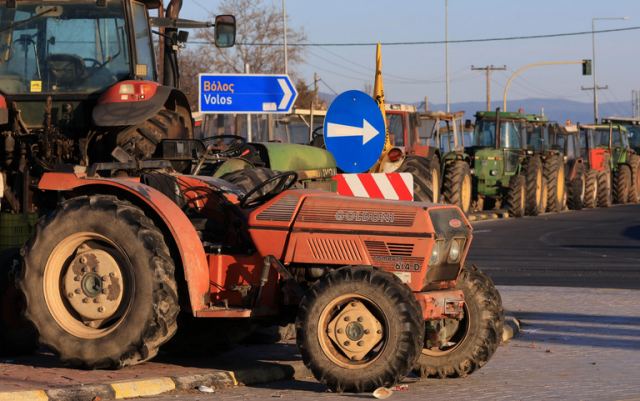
x,y
118,114
177,228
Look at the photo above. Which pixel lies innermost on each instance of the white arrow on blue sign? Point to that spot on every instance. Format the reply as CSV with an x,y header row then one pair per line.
x,y
246,93
354,131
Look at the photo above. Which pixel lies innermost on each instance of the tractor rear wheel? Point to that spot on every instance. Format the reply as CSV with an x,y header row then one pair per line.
x,y
457,188
426,177
604,188
516,197
140,141
467,344
534,183
556,184
359,329
591,189
99,283
622,184
634,189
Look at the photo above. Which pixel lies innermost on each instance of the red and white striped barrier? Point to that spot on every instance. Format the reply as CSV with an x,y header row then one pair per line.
x,y
394,186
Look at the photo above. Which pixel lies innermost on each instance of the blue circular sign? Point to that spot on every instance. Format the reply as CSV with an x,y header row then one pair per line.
x,y
354,131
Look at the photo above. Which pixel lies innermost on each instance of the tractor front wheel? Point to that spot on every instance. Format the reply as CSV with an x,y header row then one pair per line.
x,y
359,329
576,191
98,280
457,348
634,188
457,188
516,197
534,183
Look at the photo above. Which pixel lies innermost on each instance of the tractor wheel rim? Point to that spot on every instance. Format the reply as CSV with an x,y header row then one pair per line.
x,y
352,331
560,186
85,288
465,196
523,199
454,341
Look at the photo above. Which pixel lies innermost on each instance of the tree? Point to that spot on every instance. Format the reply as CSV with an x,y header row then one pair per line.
x,y
259,30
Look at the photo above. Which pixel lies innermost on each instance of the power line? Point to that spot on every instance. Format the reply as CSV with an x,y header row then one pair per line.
x,y
435,42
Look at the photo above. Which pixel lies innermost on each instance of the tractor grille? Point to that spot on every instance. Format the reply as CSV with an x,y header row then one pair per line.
x,y
380,248
338,250
281,210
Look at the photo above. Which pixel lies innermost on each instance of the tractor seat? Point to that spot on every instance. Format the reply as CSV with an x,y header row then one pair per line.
x,y
65,70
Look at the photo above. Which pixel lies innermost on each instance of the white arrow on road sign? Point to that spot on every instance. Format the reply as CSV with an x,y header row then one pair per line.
x,y
287,93
367,131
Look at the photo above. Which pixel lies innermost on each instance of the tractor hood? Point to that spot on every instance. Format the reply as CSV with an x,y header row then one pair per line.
x,y
406,238
293,157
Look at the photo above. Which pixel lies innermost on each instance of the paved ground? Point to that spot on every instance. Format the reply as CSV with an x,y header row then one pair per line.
x,y
577,344
597,248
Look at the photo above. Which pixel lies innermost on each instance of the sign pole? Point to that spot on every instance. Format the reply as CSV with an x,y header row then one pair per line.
x,y
249,128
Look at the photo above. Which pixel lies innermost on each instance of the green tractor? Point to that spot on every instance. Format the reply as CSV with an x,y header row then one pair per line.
x,y
633,129
612,154
543,139
506,172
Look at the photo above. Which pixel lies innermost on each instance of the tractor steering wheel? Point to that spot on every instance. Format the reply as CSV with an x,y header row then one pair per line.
x,y
95,63
283,181
222,149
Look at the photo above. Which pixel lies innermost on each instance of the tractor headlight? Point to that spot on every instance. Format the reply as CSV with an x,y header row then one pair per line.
x,y
455,251
437,253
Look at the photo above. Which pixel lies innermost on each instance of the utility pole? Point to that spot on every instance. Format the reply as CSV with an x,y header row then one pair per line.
x,y
446,52
635,103
316,79
488,69
596,105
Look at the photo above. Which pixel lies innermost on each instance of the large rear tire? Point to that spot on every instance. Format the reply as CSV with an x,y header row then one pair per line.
x,y
556,184
359,329
141,141
471,341
99,283
457,187
591,189
426,177
534,182
604,188
622,184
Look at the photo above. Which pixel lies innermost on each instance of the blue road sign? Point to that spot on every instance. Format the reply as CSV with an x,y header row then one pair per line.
x,y
246,93
354,131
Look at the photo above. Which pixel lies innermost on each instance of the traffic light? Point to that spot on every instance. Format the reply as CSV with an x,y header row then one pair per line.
x,y
586,67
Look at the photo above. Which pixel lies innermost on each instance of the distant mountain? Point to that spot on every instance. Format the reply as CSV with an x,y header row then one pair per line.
x,y
555,109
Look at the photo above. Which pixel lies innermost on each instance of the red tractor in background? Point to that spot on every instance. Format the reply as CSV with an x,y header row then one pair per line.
x,y
80,84
376,288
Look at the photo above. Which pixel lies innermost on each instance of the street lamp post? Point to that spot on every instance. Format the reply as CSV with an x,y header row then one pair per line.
x,y
446,53
596,116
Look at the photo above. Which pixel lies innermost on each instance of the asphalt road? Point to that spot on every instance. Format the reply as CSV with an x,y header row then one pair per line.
x,y
596,248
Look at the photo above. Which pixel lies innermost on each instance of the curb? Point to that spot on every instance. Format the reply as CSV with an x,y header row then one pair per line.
x,y
511,328
492,215
155,386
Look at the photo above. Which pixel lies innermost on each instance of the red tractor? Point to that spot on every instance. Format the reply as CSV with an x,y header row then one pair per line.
x,y
376,288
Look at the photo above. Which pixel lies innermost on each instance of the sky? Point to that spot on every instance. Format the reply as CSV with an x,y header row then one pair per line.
x,y
413,72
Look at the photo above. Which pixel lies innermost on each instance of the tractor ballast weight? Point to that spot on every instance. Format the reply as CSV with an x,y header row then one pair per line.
x,y
376,287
